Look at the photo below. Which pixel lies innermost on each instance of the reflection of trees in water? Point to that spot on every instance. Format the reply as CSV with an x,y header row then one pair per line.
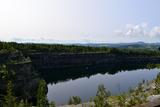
x,y
64,74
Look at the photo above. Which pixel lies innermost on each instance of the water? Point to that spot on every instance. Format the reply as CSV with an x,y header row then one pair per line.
x,y
86,86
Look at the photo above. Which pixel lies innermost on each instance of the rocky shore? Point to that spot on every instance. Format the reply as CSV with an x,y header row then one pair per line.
x,y
152,100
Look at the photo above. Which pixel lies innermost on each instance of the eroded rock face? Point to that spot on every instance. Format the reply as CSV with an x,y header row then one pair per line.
x,y
23,76
14,56
52,60
25,81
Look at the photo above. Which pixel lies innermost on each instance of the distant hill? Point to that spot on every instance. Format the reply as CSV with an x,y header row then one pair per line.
x,y
136,45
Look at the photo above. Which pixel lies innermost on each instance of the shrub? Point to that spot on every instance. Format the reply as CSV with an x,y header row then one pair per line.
x,y
157,84
74,100
52,104
101,97
122,100
9,99
41,94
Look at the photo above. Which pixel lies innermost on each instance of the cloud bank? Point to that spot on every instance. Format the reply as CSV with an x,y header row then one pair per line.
x,y
139,30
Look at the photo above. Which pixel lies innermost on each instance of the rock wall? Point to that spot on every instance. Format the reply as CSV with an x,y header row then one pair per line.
x,y
26,80
22,74
50,60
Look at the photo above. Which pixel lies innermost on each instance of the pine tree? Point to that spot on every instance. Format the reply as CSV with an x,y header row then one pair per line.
x,y
41,95
9,99
52,104
101,98
74,100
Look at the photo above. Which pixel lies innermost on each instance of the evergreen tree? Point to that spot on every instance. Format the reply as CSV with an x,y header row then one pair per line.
x,y
52,104
101,98
74,100
157,84
41,95
3,72
9,99
24,104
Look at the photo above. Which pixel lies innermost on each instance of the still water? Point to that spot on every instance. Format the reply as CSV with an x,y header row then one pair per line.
x,y
86,86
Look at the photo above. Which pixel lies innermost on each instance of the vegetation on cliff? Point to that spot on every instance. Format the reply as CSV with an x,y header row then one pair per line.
x,y
59,48
74,100
101,99
10,100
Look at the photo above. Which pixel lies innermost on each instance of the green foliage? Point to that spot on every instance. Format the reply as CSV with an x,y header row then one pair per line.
x,y
151,66
58,48
6,47
122,100
101,97
157,84
52,104
134,100
41,94
9,99
3,72
74,100
137,96
24,104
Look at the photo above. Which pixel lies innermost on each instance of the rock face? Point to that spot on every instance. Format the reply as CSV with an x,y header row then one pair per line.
x,y
25,81
25,78
53,60
50,60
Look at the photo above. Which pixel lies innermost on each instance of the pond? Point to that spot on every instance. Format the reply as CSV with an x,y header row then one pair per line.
x,y
86,86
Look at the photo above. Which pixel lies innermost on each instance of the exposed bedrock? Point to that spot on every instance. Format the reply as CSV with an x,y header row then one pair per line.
x,y
25,81
50,60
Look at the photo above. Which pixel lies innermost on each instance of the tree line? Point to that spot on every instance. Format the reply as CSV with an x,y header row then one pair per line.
x,y
60,48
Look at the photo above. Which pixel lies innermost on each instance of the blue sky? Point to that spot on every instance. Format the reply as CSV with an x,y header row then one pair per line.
x,y
82,21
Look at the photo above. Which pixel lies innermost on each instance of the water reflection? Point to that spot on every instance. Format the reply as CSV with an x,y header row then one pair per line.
x,y
83,81
65,74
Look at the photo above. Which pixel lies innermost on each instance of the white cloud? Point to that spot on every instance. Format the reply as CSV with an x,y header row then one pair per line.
x,y
139,30
144,24
155,32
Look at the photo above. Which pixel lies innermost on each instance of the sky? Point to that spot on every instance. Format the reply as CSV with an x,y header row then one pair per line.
x,y
80,21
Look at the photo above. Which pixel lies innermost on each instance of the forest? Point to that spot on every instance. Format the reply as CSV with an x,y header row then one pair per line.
x,y
6,47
